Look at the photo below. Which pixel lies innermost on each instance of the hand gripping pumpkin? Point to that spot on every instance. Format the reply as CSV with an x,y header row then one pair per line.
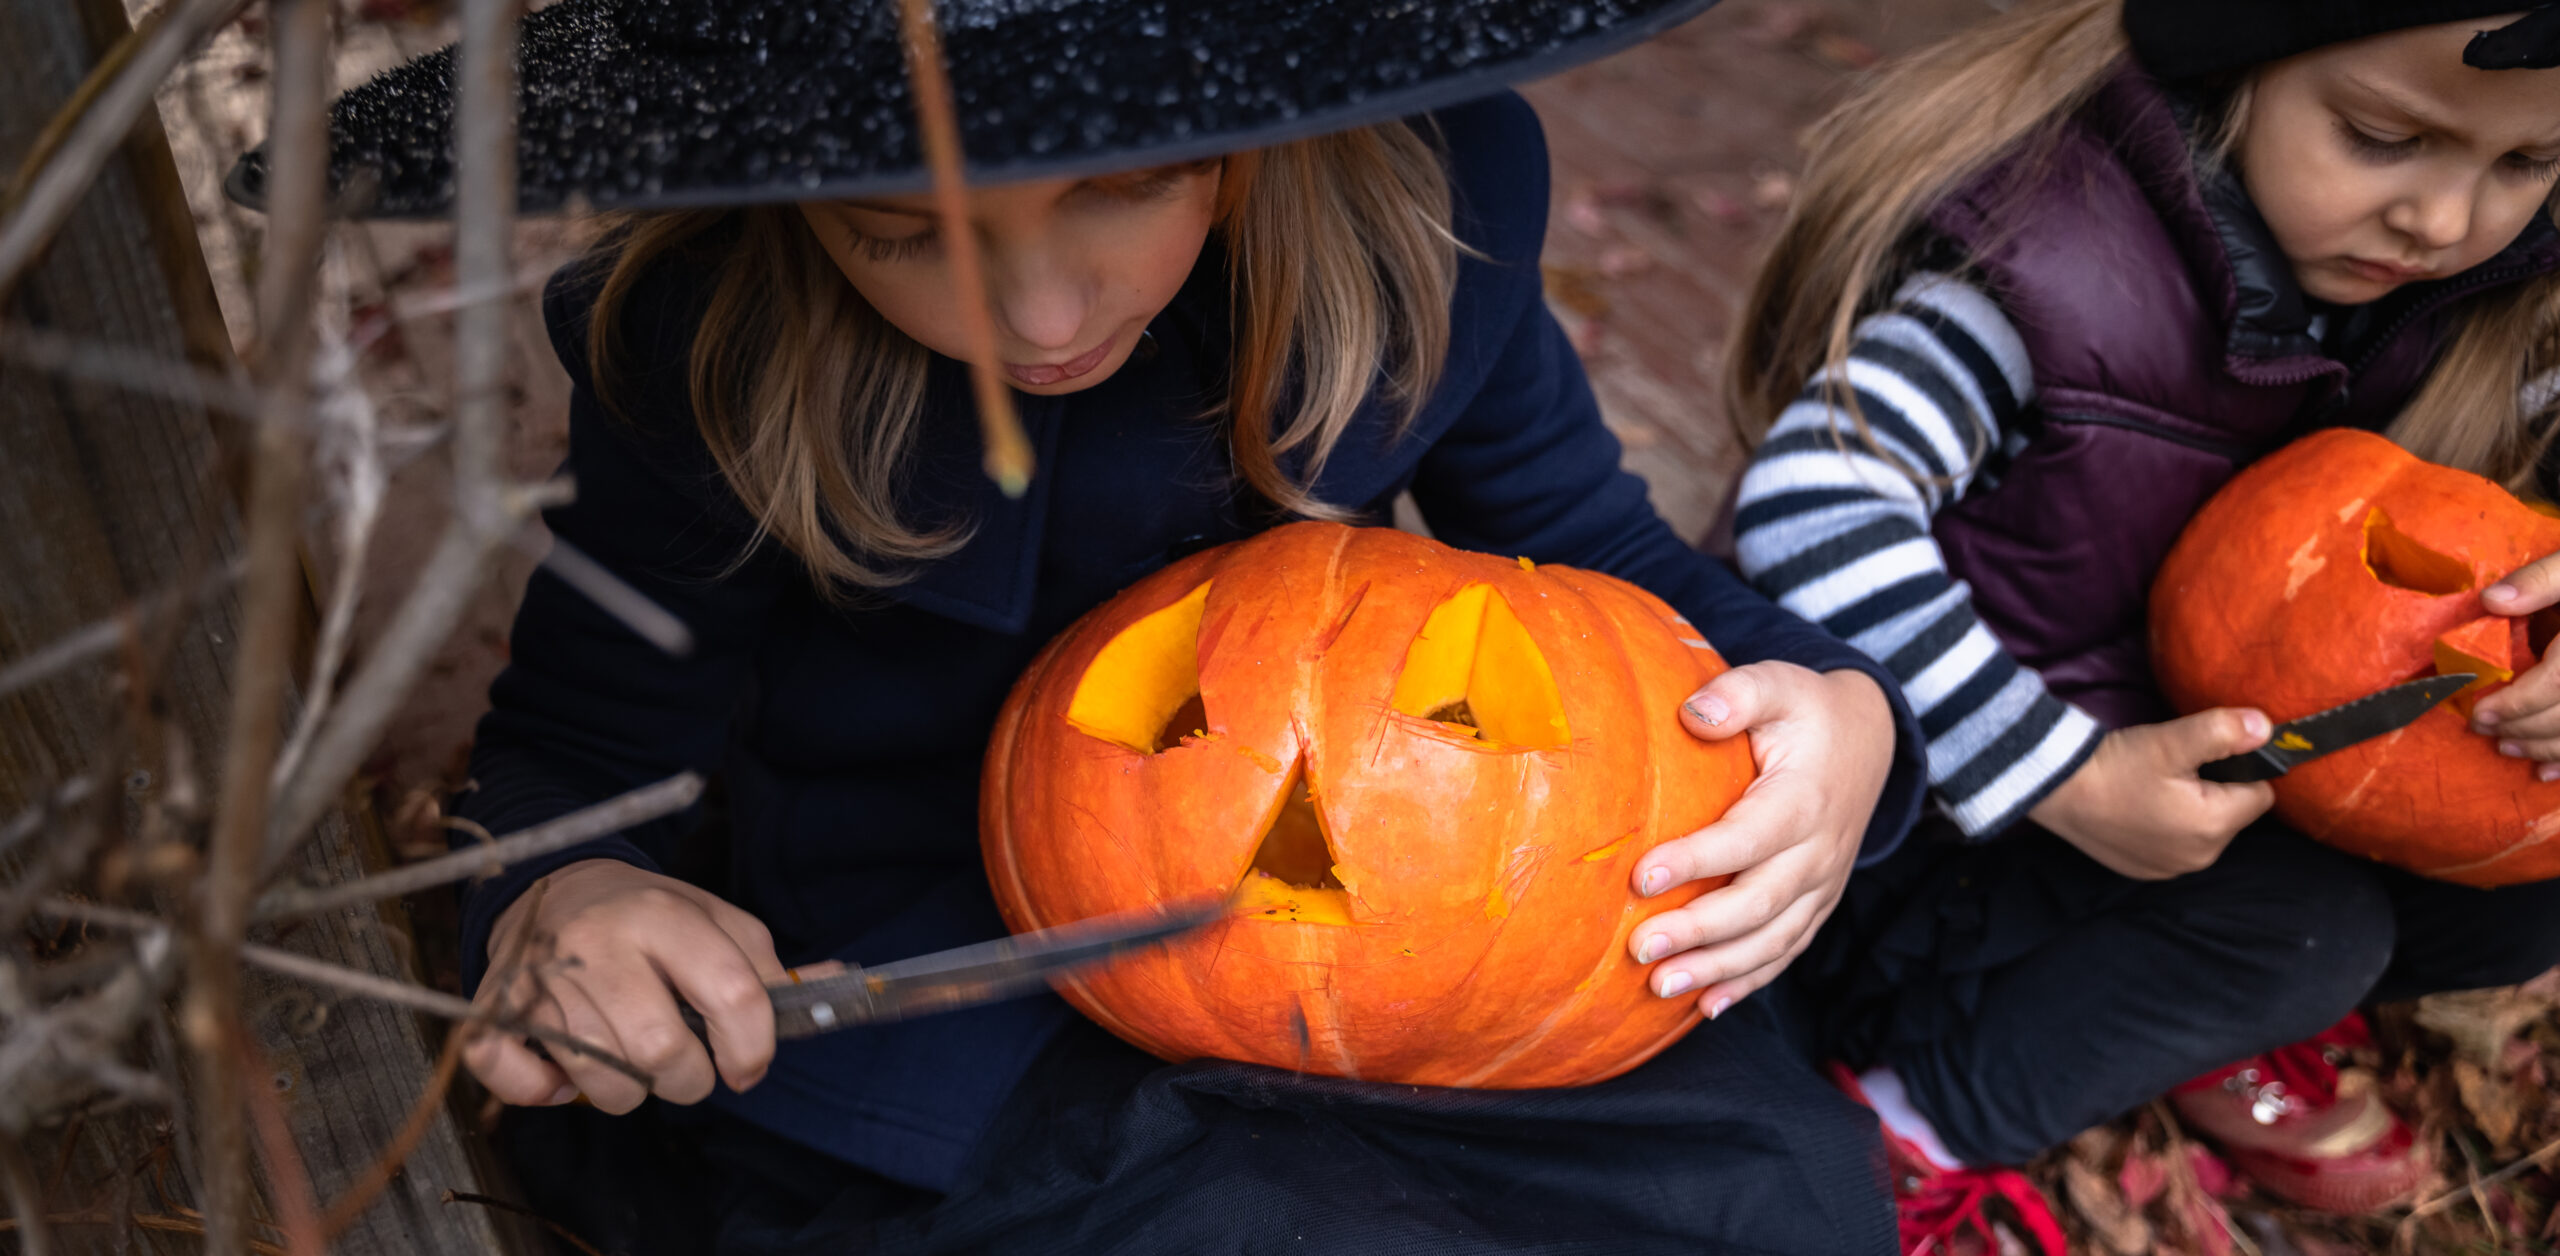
x,y
1425,776
2333,568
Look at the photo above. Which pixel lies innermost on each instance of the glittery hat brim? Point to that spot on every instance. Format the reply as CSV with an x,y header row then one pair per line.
x,y
1044,88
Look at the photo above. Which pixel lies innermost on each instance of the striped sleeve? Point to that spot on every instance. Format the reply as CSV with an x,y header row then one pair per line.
x,y
1836,528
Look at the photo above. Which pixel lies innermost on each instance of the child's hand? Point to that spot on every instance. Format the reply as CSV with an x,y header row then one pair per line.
x,y
2525,715
1824,744
623,943
2138,806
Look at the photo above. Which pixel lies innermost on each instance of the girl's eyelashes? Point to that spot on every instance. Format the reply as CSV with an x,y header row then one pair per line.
x,y
2533,169
904,248
2371,147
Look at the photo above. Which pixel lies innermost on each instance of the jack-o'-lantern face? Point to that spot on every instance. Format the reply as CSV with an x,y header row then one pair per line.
x,y
2335,568
1423,776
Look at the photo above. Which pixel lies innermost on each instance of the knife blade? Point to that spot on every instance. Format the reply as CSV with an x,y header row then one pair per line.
x,y
970,975
2297,742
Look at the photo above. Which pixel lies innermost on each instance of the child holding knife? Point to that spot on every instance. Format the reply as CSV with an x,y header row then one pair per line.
x,y
2046,287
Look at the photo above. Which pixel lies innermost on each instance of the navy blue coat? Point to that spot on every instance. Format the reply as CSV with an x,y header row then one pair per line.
x,y
851,739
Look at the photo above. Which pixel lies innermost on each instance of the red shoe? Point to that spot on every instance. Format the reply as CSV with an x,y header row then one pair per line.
x,y
1948,1212
2304,1131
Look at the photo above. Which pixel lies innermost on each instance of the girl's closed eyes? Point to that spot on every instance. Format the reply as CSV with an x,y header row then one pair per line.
x,y
881,231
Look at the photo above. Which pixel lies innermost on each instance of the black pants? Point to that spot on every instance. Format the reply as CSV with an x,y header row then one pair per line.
x,y
1728,1142
2023,992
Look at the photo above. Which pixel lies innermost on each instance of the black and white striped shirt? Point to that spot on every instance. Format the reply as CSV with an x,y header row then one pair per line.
x,y
1838,532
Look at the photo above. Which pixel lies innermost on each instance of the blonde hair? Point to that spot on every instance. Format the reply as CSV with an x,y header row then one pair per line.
x,y
1341,262
1940,119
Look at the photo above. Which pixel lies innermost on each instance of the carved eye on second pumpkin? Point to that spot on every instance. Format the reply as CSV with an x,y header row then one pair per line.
x,y
1143,689
2494,646
1475,670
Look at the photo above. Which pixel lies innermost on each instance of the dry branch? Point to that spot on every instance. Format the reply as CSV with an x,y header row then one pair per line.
x,y
1008,452
105,118
104,636
640,806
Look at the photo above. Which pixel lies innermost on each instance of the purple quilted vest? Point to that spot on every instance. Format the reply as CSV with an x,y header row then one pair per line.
x,y
2170,348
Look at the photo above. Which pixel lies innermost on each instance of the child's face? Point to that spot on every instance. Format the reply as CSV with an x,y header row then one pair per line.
x,y
1075,268
2387,161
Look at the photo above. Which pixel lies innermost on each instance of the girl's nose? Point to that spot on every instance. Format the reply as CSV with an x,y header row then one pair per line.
x,y
1039,304
2438,219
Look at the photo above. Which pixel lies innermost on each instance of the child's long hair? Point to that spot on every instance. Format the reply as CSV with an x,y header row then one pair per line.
x,y
1936,121
1342,263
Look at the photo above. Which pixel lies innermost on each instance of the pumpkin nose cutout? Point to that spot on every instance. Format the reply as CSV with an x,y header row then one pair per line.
x,y
1143,689
1291,879
1474,669
2403,562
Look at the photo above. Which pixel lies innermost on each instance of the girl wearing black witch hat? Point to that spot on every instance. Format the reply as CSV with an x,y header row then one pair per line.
x,y
1237,279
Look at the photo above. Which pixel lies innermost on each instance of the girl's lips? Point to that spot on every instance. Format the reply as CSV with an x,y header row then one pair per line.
x,y
2384,272
1043,374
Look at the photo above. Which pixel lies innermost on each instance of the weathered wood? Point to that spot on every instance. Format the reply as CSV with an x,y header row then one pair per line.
x,y
106,495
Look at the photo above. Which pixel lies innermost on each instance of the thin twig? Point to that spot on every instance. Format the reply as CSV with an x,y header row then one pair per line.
x,y
567,1235
363,984
106,117
105,635
26,1200
1008,451
271,596
144,1221
613,595
613,815
29,822
350,453
298,1209
2539,1157
77,357
486,510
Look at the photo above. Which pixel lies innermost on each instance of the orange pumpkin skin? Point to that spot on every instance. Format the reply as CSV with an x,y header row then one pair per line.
x,y
2335,567
1485,883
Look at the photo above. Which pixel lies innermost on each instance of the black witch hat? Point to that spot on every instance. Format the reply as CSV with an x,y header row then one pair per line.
x,y
669,103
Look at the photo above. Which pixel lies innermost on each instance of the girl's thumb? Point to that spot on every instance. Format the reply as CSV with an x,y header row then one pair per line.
x,y
2220,733
1724,706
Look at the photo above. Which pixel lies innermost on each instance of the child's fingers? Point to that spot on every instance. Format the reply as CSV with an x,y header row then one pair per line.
x,y
512,1072
2530,588
2201,738
1733,702
2538,749
2528,706
1744,963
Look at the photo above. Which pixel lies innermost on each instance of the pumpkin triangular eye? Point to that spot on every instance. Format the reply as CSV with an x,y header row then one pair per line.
x,y
2403,562
1143,688
1291,878
1474,666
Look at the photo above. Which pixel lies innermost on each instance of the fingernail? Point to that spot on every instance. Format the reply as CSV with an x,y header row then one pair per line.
x,y
1654,948
2485,719
2255,722
2547,772
1710,710
2513,750
1656,879
567,1092
1676,984
2499,592
1717,1008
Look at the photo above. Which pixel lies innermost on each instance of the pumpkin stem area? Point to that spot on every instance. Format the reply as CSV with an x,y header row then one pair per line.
x,y
1291,877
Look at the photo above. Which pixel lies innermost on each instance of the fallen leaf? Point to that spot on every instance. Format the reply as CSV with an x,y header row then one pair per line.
x,y
2115,1223
2489,1100
2481,1021
2142,1178
1621,260
1573,288
2213,1176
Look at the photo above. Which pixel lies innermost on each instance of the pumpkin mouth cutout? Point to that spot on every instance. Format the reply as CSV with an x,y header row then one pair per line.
x,y
2403,562
1291,878
1474,670
1142,690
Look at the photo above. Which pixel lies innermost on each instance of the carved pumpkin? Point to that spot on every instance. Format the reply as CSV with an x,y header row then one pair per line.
x,y
1425,776
2338,566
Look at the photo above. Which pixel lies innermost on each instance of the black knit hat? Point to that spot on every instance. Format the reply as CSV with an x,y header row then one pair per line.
x,y
2178,39
666,103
